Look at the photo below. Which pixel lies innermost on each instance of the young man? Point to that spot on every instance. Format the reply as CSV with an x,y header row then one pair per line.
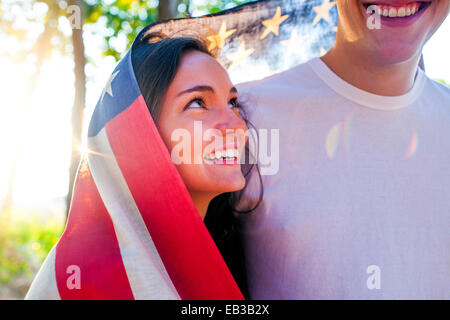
x,y
360,206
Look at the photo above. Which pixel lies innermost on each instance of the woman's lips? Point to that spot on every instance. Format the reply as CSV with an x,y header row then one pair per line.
x,y
226,162
228,155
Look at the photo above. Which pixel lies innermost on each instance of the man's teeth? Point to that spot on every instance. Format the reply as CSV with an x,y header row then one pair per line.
x,y
403,11
229,154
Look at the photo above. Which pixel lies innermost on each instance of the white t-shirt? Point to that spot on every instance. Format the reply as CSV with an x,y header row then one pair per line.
x,y
360,205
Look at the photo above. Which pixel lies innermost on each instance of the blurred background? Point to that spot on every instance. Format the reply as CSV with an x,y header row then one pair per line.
x,y
55,58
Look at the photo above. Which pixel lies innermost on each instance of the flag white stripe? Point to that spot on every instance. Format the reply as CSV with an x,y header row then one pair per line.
x,y
44,284
146,273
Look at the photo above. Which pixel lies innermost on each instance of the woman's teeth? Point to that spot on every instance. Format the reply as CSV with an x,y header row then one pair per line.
x,y
228,154
403,11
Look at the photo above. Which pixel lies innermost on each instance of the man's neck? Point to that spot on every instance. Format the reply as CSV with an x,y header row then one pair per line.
x,y
359,71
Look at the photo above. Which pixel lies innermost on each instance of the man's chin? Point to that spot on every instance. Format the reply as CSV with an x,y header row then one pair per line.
x,y
394,53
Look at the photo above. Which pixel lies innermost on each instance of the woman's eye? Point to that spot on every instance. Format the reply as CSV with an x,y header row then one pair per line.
x,y
234,103
196,104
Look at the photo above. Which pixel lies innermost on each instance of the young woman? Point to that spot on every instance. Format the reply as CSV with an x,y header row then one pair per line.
x,y
197,88
165,143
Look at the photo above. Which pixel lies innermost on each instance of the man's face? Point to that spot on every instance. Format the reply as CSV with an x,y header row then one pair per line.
x,y
405,26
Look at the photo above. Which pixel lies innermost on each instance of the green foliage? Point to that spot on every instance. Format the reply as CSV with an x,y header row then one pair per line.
x,y
128,17
123,18
25,241
214,6
19,19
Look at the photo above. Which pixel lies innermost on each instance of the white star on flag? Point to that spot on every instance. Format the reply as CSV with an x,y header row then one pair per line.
x,y
294,41
108,88
323,11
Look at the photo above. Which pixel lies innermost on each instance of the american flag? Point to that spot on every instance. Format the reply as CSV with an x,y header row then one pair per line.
x,y
133,231
261,38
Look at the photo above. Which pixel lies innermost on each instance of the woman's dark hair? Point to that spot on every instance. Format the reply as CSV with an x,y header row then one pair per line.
x,y
156,59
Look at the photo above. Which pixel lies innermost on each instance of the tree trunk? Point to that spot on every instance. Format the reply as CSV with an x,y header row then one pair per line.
x,y
167,9
79,101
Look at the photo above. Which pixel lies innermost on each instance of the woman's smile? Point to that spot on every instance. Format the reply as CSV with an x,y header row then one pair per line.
x,y
228,155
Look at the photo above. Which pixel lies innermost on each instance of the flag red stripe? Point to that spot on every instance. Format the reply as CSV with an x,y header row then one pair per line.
x,y
89,242
185,246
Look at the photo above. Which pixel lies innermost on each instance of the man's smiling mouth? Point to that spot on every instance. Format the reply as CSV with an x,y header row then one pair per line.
x,y
399,10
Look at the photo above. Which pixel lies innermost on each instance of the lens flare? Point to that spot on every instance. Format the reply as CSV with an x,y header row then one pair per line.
x,y
412,145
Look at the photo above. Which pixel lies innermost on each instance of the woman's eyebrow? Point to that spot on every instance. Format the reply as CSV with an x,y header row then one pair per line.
x,y
202,88
196,88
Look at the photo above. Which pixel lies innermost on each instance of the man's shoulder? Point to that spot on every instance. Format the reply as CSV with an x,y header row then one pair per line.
x,y
440,88
295,78
279,94
436,96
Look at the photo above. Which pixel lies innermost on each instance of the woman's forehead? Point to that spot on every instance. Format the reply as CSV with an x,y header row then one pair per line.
x,y
196,67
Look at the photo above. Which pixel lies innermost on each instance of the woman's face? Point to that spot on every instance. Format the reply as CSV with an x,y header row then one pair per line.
x,y
200,123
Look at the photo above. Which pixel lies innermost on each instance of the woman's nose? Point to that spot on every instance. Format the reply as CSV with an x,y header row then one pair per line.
x,y
229,119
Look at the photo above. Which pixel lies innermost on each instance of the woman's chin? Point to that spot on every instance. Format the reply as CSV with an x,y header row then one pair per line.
x,y
229,183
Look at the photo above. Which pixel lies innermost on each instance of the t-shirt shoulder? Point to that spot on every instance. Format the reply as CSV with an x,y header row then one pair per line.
x,y
440,89
436,100
297,81
290,78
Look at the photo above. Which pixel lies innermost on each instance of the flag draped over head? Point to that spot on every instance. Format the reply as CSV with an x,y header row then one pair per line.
x,y
260,38
133,231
